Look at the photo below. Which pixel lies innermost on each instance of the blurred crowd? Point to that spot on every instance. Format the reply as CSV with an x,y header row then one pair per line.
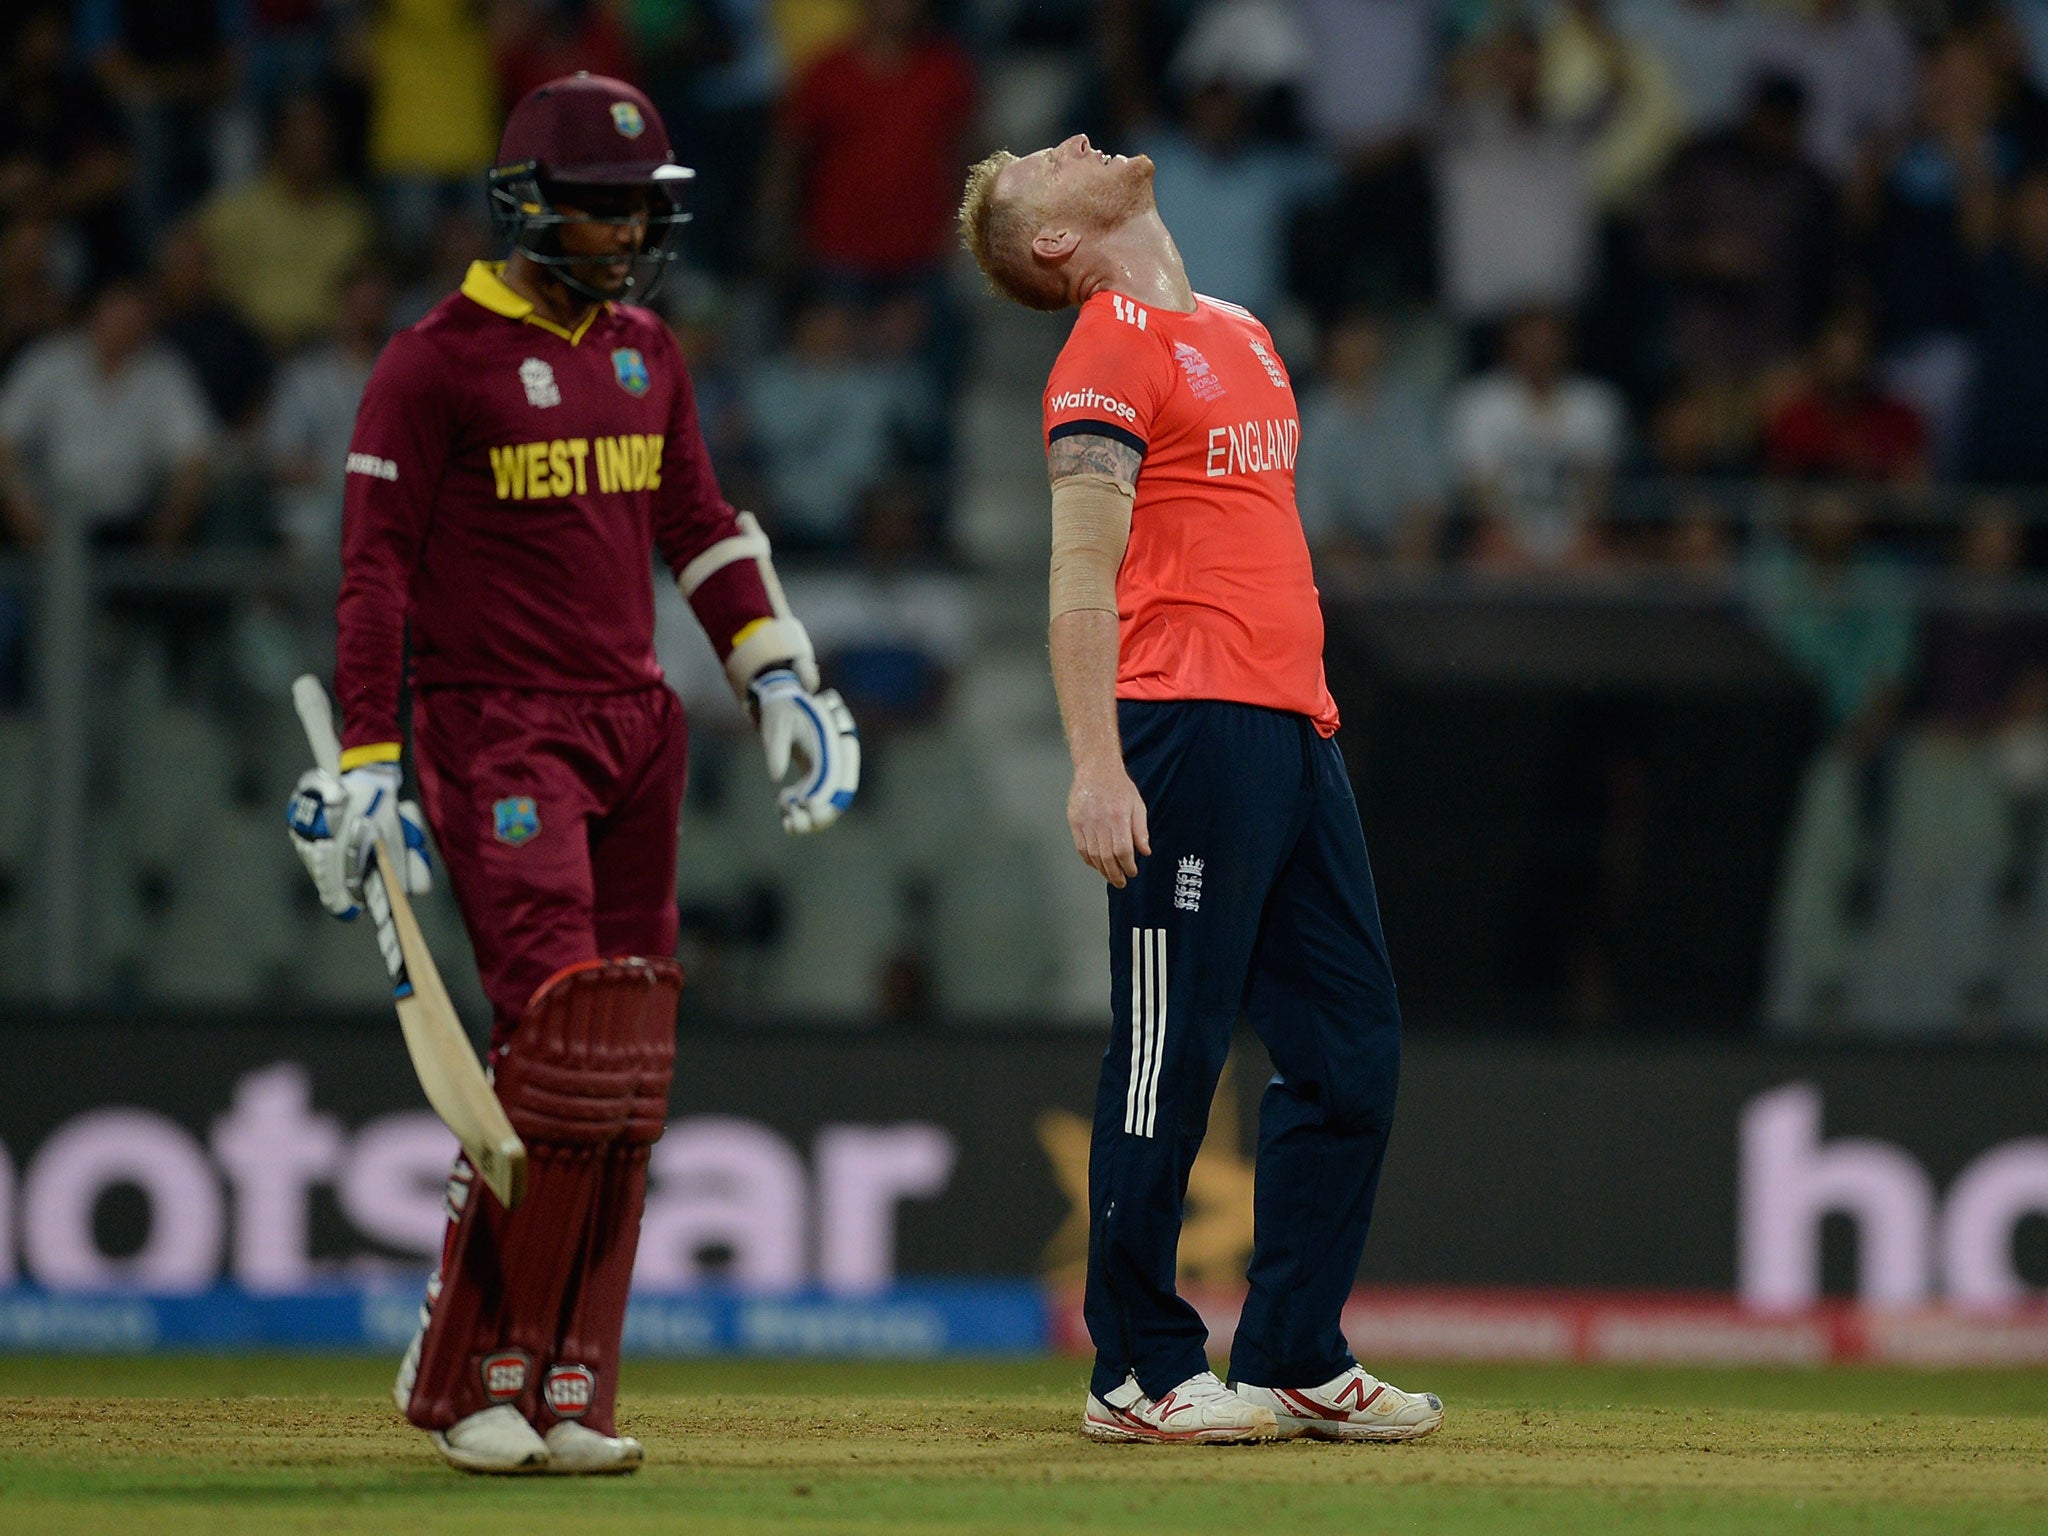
x,y
1784,260
212,213
1516,251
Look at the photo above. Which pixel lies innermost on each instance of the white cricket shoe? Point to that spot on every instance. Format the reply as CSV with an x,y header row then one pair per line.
x,y
1353,1406
495,1440
1200,1411
575,1448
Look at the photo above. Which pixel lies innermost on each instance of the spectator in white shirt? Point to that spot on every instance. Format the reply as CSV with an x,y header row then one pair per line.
x,y
1514,186
102,423
1534,448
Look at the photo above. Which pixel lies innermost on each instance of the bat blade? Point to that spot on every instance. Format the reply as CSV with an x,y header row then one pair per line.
x,y
442,1057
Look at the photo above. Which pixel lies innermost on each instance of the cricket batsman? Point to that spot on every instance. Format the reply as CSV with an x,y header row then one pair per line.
x,y
519,457
1187,653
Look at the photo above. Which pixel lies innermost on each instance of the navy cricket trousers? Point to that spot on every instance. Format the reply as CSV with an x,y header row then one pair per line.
x,y
1257,897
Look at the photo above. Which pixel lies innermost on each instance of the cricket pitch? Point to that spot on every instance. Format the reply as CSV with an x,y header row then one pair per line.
x,y
181,1444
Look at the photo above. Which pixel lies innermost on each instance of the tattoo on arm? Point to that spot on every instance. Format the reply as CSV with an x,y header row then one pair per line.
x,y
1085,453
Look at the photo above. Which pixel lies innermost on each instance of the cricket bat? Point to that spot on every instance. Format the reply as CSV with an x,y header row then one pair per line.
x,y
442,1056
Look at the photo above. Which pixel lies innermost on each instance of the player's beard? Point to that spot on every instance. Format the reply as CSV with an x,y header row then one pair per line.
x,y
1124,199
593,273
597,275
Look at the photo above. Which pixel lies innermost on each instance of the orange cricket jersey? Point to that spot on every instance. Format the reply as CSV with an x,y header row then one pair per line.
x,y
1215,597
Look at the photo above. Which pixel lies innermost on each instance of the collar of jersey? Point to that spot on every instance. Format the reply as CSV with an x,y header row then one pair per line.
x,y
485,284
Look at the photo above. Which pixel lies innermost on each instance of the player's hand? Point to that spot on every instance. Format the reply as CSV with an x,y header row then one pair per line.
x,y
377,815
335,822
1106,814
318,810
816,731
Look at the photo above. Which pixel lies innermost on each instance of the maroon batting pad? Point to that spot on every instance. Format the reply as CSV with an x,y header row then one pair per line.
x,y
529,1304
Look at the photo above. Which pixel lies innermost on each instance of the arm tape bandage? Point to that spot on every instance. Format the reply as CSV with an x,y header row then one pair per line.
x,y
1091,525
779,637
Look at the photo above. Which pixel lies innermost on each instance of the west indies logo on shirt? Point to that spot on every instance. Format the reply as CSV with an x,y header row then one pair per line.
x,y
630,368
1200,376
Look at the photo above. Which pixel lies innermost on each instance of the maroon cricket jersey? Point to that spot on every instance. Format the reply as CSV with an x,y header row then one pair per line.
x,y
508,483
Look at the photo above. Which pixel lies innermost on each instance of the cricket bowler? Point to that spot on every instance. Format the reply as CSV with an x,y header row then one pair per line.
x,y
520,455
1187,653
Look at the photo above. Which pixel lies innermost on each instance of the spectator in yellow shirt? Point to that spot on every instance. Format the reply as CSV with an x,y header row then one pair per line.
x,y
286,238
434,113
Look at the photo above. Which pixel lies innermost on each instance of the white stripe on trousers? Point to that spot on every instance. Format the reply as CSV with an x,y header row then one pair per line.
x,y
1148,1029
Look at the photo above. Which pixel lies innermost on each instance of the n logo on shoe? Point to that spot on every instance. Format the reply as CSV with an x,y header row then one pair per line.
x,y
504,1374
1355,1390
1168,1407
568,1390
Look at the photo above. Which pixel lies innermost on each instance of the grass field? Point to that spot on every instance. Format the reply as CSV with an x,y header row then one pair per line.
x,y
179,1445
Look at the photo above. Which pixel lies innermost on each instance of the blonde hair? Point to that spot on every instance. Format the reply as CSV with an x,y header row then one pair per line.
x,y
998,233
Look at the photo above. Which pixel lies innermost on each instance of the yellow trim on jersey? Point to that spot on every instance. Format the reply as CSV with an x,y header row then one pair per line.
x,y
485,284
375,752
749,629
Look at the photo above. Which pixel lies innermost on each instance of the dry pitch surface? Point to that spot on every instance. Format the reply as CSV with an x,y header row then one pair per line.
x,y
219,1446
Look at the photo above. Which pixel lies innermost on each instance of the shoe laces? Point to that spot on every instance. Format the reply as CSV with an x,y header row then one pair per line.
x,y
1198,1389
1203,1387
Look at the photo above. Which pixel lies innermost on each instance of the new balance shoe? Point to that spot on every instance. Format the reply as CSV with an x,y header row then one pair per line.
x,y
575,1448
496,1440
1353,1406
1200,1411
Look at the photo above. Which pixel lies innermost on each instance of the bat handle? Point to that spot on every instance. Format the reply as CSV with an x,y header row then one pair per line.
x,y
316,714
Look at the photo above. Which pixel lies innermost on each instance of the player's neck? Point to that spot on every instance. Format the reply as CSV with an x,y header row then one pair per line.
x,y
552,299
1139,260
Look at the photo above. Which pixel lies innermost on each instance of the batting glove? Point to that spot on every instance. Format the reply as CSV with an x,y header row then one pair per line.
x,y
816,731
336,821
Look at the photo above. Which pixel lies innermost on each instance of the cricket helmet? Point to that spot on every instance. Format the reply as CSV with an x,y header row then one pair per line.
x,y
590,142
